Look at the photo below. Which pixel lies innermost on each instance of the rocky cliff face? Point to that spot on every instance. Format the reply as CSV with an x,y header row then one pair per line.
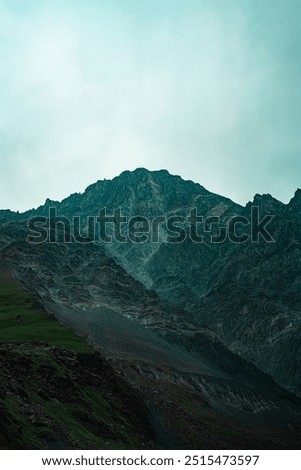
x,y
198,322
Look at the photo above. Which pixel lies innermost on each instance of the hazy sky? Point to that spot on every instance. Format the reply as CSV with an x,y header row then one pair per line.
x,y
208,89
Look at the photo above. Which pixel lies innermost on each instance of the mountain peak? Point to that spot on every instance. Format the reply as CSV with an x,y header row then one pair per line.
x,y
266,202
297,194
49,202
264,196
141,171
294,206
137,171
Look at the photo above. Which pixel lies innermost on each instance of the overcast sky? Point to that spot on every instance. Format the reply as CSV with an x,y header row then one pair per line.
x,y
208,89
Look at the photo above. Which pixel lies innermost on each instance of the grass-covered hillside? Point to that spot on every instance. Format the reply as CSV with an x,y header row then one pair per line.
x,y
55,391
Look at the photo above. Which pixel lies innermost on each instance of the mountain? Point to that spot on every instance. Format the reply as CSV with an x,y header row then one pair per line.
x,y
262,277
200,331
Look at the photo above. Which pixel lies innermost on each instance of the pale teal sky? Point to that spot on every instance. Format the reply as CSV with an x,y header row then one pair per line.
x,y
208,89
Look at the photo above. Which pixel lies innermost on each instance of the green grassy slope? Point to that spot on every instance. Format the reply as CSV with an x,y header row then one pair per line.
x,y
22,320
56,392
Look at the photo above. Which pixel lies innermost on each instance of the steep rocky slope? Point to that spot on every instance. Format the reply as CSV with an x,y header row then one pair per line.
x,y
254,306
189,382
248,293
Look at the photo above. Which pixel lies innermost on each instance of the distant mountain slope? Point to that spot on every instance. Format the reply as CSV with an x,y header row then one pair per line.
x,y
154,348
